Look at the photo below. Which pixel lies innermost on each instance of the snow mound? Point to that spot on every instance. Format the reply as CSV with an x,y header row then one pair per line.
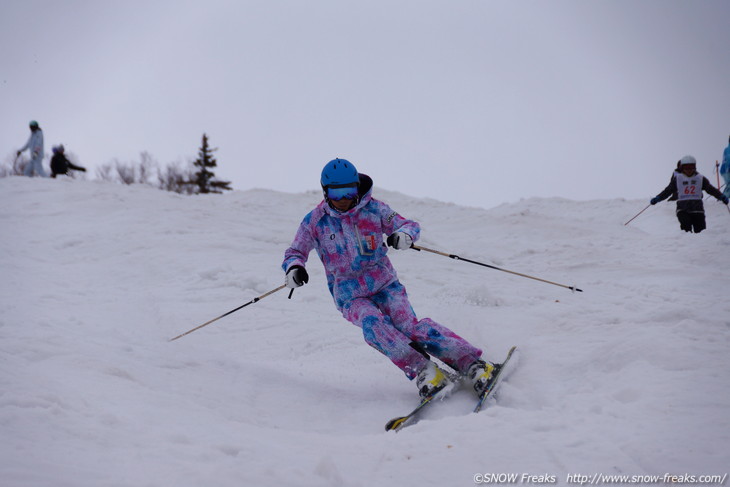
x,y
628,377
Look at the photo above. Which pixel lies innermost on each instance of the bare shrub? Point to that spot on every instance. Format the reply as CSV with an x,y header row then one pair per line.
x,y
105,172
174,177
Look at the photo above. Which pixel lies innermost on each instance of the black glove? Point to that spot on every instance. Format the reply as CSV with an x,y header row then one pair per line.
x,y
400,240
725,199
296,276
654,200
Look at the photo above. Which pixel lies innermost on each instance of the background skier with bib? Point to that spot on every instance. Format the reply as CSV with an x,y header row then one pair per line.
x,y
687,186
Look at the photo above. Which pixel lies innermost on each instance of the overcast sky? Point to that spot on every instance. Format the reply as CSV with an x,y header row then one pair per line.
x,y
473,102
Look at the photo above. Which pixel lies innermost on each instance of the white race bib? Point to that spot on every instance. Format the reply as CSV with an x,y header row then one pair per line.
x,y
689,187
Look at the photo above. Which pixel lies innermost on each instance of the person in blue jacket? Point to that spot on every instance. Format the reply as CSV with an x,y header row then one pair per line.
x,y
35,146
687,186
725,169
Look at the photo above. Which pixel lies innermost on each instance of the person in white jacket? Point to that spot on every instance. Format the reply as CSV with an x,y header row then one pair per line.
x,y
35,146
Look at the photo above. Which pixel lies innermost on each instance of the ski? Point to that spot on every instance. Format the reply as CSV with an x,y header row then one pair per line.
x,y
396,424
400,422
494,383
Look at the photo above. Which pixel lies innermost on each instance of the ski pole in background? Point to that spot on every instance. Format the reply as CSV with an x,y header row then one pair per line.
x,y
639,213
254,300
15,165
717,171
456,257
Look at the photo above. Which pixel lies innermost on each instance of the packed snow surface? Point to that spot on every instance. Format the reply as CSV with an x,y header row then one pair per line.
x,y
628,377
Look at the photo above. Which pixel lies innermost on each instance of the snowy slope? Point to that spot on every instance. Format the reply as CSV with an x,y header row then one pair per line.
x,y
628,377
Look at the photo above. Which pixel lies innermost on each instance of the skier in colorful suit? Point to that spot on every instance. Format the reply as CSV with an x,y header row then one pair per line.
x,y
687,186
347,230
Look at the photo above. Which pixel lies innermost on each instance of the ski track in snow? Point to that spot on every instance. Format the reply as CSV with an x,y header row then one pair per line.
x,y
629,376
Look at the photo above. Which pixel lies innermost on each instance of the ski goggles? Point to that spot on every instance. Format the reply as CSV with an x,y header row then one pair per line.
x,y
338,193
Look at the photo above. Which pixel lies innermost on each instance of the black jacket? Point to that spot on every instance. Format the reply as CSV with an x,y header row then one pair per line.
x,y
60,164
691,206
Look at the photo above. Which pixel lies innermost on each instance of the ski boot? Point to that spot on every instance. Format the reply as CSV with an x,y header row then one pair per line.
x,y
431,379
481,373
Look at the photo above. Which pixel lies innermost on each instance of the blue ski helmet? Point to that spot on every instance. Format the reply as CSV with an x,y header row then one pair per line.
x,y
339,172
33,124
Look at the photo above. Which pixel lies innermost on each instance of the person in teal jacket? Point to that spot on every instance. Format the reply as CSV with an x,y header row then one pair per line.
x,y
725,169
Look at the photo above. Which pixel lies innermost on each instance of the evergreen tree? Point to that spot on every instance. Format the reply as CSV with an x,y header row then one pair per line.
x,y
204,178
